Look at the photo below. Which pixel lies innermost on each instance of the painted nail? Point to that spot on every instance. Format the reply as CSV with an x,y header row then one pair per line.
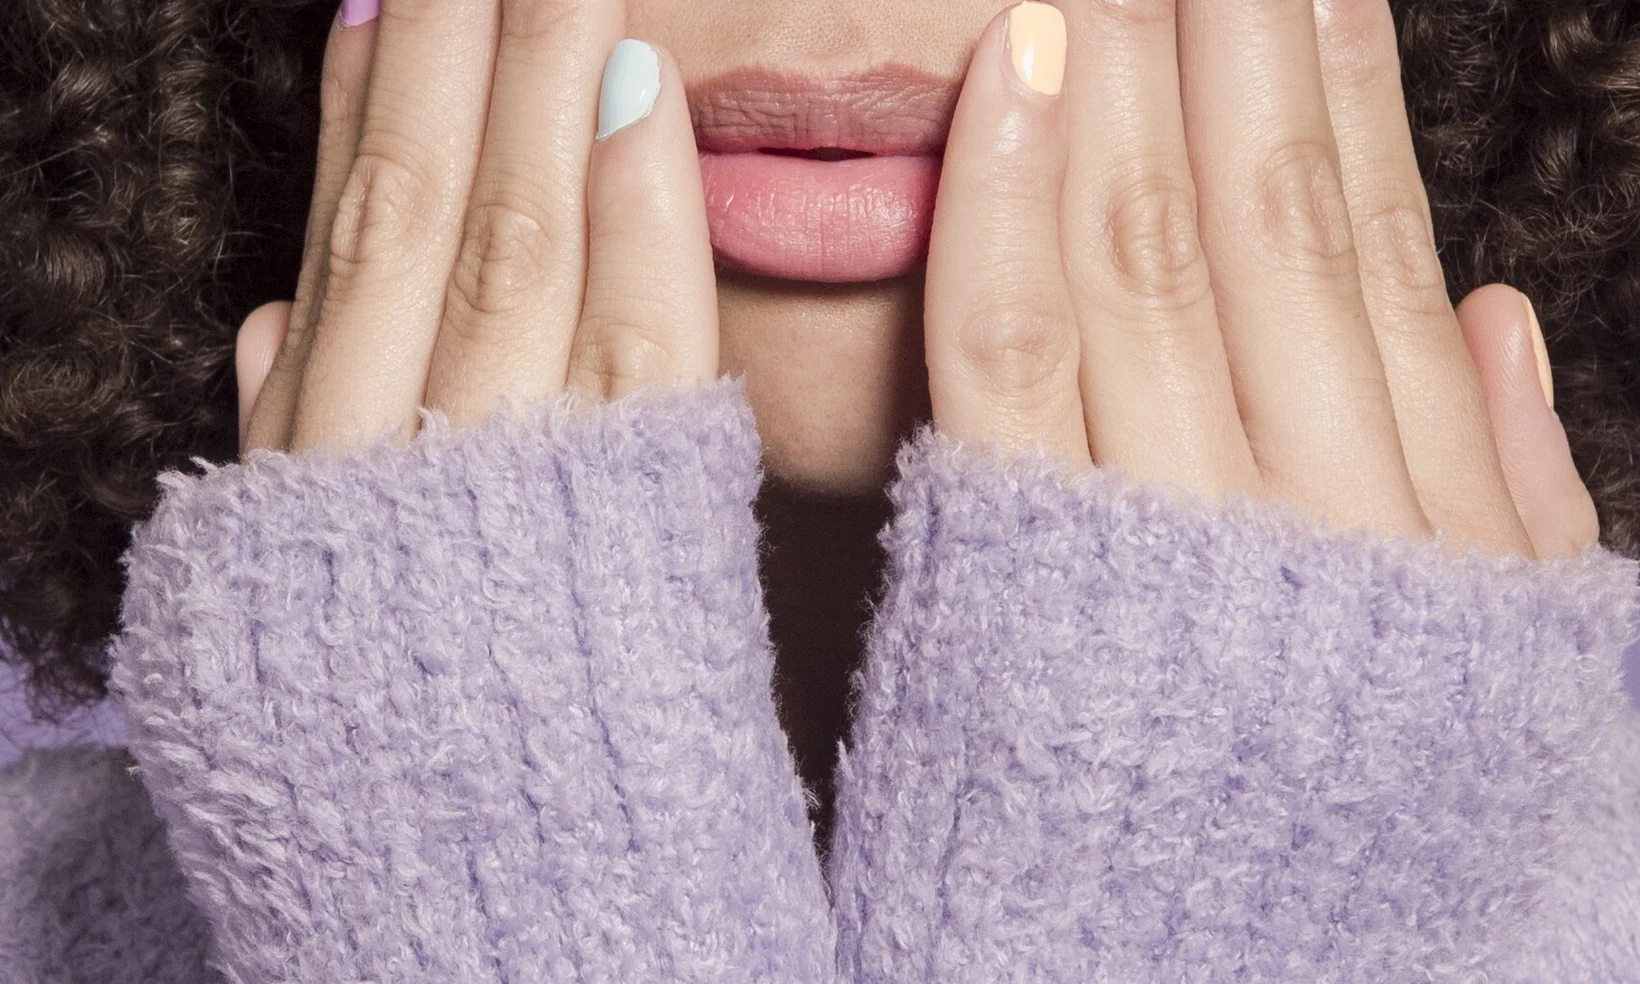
x,y
1036,46
1540,351
356,12
632,80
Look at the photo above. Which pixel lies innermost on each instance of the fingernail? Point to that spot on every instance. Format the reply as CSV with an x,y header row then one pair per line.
x,y
1036,46
356,12
1540,351
632,80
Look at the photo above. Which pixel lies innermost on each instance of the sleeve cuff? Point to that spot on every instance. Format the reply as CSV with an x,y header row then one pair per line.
x,y
1119,731
491,706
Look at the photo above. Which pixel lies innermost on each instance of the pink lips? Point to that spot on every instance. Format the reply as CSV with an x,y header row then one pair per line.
x,y
821,179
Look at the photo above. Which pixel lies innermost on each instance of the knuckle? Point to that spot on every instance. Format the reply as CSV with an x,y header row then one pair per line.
x,y
618,355
1359,46
534,20
1363,61
1302,211
381,205
1012,173
1272,11
1135,13
1151,241
427,13
1396,249
500,265
1017,346
336,102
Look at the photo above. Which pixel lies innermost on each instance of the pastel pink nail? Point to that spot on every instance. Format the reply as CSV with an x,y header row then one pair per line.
x,y
356,12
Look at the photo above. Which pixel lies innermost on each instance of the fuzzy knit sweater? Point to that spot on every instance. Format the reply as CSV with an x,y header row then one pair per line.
x,y
496,707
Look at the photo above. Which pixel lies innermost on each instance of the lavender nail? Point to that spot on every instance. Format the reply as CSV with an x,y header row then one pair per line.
x,y
356,12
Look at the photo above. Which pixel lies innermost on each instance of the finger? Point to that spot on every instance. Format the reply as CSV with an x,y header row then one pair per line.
x,y
255,346
398,222
1276,231
999,329
1155,384
516,290
1433,385
342,86
1554,505
650,315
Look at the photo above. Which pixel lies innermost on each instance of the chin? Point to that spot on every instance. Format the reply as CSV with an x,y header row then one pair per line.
x,y
834,374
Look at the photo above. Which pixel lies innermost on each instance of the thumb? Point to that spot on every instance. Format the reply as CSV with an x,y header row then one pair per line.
x,y
259,340
1506,343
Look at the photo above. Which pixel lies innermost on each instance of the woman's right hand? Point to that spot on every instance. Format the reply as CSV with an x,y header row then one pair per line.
x,y
471,241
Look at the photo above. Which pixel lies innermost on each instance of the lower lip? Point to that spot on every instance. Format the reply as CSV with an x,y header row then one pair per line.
x,y
796,218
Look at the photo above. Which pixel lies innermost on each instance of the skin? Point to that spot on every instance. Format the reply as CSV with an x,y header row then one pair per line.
x,y
1206,261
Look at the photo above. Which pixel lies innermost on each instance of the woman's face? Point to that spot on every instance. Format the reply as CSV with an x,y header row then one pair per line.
x,y
819,286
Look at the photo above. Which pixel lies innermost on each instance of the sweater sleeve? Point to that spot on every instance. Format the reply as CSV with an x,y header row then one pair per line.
x,y
1588,926
1110,732
494,706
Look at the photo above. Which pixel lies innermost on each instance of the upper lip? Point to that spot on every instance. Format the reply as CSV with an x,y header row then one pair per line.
x,y
889,111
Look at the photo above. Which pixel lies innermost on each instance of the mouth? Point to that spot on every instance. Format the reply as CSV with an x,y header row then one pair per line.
x,y
821,179
818,153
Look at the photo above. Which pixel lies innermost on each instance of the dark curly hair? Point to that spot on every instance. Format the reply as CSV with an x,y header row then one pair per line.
x,y
157,159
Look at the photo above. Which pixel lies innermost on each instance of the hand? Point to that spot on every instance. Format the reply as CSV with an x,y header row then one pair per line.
x,y
448,262
1208,261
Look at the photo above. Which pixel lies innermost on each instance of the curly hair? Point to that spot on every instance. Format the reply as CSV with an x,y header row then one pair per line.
x,y
158,159
1526,117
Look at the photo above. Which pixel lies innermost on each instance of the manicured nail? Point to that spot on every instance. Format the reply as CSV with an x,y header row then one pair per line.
x,y
1540,351
1036,45
632,80
356,12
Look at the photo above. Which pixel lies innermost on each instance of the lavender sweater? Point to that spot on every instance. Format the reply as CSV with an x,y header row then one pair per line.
x,y
497,707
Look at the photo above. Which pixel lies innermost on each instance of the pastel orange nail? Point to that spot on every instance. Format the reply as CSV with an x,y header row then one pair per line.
x,y
1036,46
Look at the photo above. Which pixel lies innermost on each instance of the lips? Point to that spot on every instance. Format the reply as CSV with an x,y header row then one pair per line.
x,y
821,179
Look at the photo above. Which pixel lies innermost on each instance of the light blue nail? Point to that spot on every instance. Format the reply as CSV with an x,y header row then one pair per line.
x,y
632,80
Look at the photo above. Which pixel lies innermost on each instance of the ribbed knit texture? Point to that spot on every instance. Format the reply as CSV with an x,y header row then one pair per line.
x,y
1110,733
492,708
496,707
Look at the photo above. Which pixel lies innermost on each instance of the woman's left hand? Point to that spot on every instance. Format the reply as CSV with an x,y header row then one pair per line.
x,y
1206,258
